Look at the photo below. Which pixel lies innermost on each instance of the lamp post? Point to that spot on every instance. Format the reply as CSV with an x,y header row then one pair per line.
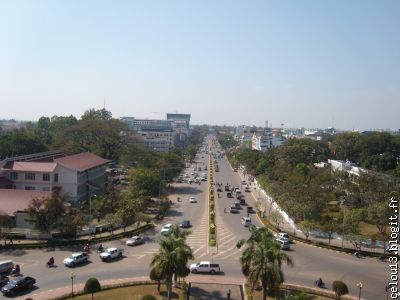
x,y
90,207
72,275
359,285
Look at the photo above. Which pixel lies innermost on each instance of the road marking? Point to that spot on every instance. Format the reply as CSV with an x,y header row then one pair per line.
x,y
139,256
228,241
198,249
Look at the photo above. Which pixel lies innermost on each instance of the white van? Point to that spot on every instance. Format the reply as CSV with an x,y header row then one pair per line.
x,y
6,266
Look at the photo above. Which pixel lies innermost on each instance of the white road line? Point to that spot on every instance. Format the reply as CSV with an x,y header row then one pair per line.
x,y
139,256
228,241
198,250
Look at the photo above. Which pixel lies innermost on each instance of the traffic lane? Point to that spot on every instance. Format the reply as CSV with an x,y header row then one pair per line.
x,y
312,263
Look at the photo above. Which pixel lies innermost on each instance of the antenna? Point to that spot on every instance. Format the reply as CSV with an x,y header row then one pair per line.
x,y
104,104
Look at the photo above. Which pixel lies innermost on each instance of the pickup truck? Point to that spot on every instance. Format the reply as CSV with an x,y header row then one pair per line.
x,y
205,267
76,259
111,253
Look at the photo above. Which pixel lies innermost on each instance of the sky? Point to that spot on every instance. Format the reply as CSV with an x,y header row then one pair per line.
x,y
311,64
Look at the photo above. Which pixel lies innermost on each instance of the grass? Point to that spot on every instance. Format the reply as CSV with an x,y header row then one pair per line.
x,y
130,293
257,295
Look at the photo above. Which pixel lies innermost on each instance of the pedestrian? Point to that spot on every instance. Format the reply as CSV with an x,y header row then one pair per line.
x,y
224,210
228,295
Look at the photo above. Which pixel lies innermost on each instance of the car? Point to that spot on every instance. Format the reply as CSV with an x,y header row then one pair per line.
x,y
236,204
234,169
237,190
227,188
242,201
229,194
192,200
219,189
233,210
244,182
76,259
111,253
246,221
283,235
247,189
205,267
18,284
250,210
185,224
135,240
285,245
6,266
3,280
166,229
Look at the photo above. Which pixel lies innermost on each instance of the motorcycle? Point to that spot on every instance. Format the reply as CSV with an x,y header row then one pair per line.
x,y
319,283
50,263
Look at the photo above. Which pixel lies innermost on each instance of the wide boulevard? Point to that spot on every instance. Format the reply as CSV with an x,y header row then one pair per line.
x,y
310,262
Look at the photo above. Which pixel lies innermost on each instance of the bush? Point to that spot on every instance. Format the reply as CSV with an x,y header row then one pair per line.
x,y
212,242
212,230
92,286
340,288
148,297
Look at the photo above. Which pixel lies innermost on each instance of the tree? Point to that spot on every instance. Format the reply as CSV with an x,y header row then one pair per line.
x,y
306,227
144,183
356,240
156,275
92,286
329,226
5,222
340,288
46,212
262,260
97,114
276,218
172,256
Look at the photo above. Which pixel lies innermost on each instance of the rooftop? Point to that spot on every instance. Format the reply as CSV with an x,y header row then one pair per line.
x,y
12,200
82,161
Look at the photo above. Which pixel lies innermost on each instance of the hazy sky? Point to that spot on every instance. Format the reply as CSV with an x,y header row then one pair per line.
x,y
301,63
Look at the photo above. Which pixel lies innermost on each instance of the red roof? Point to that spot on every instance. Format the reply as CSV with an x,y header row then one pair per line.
x,y
12,201
81,161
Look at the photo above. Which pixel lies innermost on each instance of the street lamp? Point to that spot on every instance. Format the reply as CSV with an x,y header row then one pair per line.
x,y
72,275
90,206
359,285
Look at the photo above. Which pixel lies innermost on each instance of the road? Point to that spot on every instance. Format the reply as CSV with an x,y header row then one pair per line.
x,y
310,262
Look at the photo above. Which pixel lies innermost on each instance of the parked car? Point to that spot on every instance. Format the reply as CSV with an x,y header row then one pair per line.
x,y
236,204
242,201
76,259
135,240
3,280
111,253
192,200
219,189
205,267
233,210
247,189
244,182
250,210
229,194
283,236
246,221
185,224
166,229
285,245
18,284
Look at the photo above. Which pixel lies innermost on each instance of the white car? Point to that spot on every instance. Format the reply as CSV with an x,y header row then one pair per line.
x,y
282,236
246,221
192,200
166,229
135,240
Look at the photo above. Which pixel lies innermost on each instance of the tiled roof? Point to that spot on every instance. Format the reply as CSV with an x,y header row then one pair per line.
x,y
32,166
18,200
81,161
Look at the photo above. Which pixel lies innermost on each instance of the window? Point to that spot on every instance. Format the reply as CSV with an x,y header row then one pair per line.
x,y
29,188
29,176
46,177
14,176
46,189
56,177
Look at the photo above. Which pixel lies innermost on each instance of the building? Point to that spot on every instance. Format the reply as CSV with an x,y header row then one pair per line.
x,y
79,176
266,139
160,135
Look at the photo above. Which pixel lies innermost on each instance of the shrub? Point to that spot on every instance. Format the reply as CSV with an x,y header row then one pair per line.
x,y
212,242
212,230
340,288
148,297
92,286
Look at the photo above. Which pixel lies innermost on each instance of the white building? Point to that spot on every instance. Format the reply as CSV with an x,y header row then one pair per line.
x,y
264,142
79,176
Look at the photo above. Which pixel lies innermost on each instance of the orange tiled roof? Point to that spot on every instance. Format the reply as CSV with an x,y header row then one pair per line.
x,y
82,161
32,166
18,200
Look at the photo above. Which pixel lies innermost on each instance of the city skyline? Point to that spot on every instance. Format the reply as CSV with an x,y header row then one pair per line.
x,y
307,64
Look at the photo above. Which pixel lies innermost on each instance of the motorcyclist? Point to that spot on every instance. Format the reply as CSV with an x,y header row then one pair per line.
x,y
319,283
16,269
101,248
357,254
51,261
86,248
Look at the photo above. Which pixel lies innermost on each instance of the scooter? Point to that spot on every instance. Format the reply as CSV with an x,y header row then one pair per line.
x,y
319,284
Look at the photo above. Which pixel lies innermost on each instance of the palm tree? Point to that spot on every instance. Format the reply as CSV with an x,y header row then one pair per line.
x,y
262,260
173,256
